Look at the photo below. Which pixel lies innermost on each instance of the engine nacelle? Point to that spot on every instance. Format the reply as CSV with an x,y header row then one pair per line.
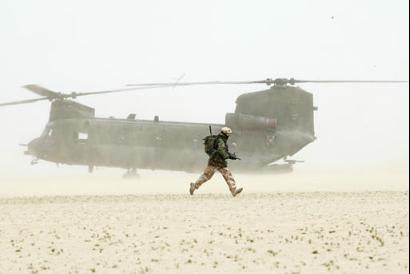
x,y
249,122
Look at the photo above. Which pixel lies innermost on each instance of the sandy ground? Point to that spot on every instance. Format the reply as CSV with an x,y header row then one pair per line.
x,y
320,232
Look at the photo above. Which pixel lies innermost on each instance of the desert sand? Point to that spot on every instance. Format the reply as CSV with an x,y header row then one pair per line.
x,y
316,232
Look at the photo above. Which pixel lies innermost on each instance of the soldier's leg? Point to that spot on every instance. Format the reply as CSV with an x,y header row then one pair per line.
x,y
206,176
227,174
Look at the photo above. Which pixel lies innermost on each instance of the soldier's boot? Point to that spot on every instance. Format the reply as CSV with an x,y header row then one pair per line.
x,y
235,192
192,188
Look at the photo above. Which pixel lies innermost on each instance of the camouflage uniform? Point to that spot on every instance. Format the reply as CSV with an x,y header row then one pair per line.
x,y
217,162
221,153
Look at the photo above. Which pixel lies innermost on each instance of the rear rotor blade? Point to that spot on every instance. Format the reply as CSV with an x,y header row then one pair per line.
x,y
269,81
170,84
42,91
350,81
23,102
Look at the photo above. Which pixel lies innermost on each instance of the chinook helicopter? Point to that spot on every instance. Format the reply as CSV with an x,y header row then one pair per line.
x,y
268,126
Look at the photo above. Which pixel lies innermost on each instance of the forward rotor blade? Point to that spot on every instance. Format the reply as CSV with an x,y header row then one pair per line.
x,y
155,86
23,102
39,90
54,95
74,95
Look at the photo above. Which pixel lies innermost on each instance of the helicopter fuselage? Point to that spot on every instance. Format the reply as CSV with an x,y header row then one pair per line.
x,y
267,125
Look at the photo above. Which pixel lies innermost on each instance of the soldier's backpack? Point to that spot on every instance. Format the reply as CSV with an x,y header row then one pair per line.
x,y
210,143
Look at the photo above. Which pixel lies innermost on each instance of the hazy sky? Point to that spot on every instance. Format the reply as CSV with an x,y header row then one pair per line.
x,y
97,45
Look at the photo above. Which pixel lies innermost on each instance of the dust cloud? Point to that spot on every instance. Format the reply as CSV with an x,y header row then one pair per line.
x,y
110,182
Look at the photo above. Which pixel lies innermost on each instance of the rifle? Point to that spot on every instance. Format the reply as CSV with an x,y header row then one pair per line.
x,y
233,156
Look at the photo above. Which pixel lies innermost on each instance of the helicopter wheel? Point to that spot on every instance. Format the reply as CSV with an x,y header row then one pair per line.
x,y
131,174
34,162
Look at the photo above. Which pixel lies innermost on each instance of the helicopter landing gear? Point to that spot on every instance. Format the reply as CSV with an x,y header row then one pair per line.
x,y
131,174
34,162
292,162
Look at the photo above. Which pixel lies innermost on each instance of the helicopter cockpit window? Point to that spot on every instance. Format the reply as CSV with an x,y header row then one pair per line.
x,y
48,132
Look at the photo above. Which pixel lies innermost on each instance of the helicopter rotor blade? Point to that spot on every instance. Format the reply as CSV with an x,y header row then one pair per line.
x,y
160,85
170,84
75,94
23,102
269,81
279,81
51,95
42,91
350,81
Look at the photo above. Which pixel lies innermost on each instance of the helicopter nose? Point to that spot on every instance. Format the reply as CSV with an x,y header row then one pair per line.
x,y
33,147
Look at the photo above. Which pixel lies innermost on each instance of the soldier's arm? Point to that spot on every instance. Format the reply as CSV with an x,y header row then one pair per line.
x,y
222,149
232,156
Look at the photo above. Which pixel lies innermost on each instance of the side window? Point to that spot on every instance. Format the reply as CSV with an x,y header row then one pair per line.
x,y
80,137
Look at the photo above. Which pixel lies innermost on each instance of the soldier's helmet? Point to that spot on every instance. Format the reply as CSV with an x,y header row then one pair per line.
x,y
226,130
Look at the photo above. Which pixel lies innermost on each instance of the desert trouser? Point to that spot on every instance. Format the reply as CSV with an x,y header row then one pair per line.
x,y
210,171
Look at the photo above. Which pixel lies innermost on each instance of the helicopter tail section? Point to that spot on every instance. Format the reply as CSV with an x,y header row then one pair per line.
x,y
278,122
291,107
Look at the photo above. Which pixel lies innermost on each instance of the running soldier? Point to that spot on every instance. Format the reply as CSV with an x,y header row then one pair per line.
x,y
218,162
